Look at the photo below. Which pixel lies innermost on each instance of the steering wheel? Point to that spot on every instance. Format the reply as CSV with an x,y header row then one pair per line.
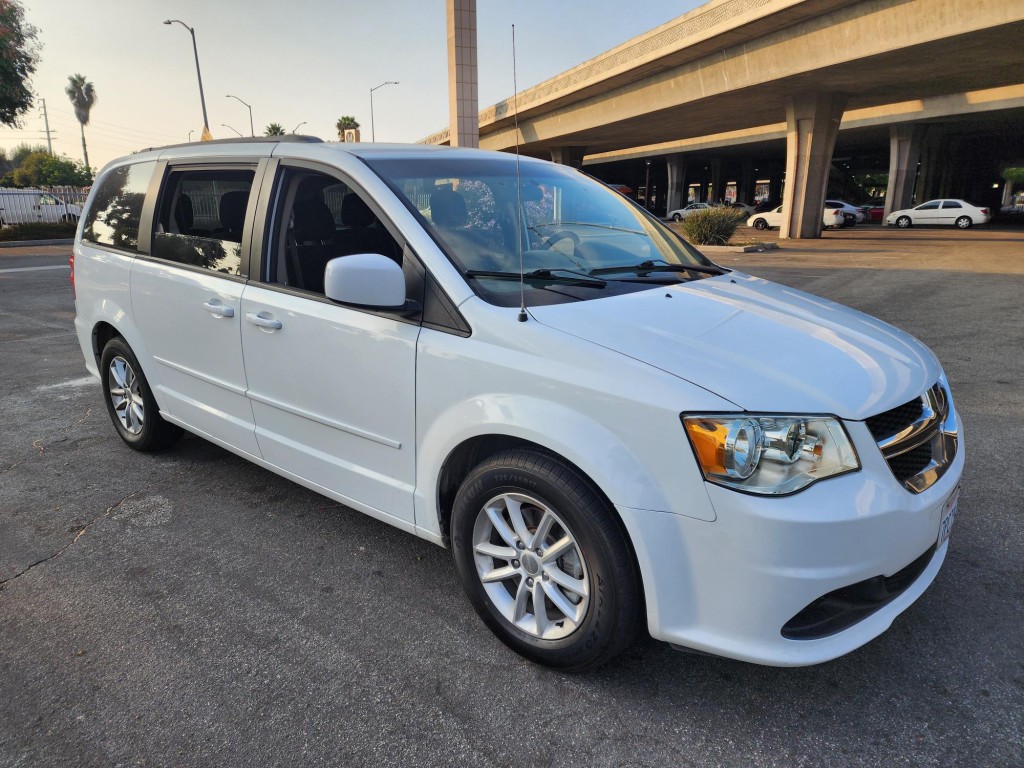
x,y
561,234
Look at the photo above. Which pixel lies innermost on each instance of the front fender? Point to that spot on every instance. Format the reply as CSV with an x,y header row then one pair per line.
x,y
597,450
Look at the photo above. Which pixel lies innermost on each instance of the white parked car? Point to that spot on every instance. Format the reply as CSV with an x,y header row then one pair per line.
x,y
852,214
609,431
681,213
25,206
957,213
831,218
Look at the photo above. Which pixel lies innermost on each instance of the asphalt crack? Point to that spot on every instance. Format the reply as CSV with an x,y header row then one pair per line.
x,y
66,547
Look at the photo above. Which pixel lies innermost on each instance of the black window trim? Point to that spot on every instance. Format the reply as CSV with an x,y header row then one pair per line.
x,y
157,190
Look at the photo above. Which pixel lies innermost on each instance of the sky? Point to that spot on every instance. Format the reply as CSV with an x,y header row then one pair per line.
x,y
304,62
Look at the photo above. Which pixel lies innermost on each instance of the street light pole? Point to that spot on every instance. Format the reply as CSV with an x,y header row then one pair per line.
x,y
233,129
199,75
373,133
299,126
252,131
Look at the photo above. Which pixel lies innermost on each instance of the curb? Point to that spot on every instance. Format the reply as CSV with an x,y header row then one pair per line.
x,y
24,243
752,248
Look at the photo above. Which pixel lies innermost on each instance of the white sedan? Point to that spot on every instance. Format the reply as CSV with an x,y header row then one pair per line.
x,y
852,214
957,213
831,217
681,213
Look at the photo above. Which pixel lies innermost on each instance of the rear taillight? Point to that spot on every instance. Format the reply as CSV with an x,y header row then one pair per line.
x,y
985,211
71,263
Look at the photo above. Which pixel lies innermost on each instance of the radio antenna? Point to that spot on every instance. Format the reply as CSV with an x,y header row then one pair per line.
x,y
519,183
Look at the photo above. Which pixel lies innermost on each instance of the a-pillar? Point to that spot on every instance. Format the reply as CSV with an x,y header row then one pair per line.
x,y
812,124
463,112
677,189
904,154
571,156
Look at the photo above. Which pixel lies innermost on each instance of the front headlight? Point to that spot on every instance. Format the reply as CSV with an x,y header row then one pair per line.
x,y
770,455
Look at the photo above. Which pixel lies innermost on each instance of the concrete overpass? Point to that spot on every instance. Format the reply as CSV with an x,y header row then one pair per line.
x,y
745,71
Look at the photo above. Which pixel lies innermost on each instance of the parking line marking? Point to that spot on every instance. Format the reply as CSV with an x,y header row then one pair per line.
x,y
34,269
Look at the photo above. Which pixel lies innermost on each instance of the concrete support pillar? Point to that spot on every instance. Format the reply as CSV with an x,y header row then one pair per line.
x,y
931,163
745,183
571,156
904,153
717,180
463,111
812,124
1007,195
677,189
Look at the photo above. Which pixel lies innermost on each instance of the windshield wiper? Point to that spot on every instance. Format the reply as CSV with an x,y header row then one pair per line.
x,y
646,267
586,224
544,275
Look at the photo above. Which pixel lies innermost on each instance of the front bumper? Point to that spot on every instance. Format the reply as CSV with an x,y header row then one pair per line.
x,y
729,587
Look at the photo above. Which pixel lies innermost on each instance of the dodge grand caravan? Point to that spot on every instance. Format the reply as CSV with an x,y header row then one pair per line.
x,y
609,431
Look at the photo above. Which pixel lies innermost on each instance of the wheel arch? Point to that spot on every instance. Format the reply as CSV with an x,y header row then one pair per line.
x,y
472,451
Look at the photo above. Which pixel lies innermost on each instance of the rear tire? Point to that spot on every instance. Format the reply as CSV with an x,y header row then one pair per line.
x,y
130,402
676,217
964,222
760,224
904,222
544,561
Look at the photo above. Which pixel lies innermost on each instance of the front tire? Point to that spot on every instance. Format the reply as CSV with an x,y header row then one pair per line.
x,y
964,222
760,224
544,561
676,217
130,402
903,222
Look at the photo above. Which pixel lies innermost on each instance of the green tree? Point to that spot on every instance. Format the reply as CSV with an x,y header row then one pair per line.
x,y
274,129
83,96
1016,175
30,173
41,169
19,55
346,122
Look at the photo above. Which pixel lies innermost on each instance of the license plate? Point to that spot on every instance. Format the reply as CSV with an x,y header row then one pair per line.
x,y
948,516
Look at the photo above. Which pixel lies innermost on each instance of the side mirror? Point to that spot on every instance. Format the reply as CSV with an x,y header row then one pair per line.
x,y
367,280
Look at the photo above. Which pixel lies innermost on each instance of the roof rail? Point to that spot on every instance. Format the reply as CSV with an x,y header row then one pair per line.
x,y
290,138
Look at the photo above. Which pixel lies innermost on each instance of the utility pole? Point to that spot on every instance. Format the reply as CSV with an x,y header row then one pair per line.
x,y
46,122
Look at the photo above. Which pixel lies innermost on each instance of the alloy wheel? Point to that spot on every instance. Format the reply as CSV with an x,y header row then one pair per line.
x,y
123,388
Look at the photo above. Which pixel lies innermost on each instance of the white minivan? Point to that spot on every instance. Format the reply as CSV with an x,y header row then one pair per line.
x,y
610,432
25,206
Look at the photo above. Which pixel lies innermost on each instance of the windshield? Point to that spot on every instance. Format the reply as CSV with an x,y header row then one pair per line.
x,y
569,225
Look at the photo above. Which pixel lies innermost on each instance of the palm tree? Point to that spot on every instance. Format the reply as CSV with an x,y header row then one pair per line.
x,y
83,97
274,129
347,122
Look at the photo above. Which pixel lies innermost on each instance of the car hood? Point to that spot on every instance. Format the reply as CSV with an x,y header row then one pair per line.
x,y
763,346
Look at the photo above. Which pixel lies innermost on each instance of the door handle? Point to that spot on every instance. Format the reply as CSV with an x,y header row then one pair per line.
x,y
214,307
263,322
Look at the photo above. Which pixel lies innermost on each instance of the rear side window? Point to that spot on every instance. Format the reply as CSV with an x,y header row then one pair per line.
x,y
113,217
202,218
951,204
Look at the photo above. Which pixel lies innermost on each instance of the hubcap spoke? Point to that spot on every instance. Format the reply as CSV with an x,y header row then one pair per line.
x,y
564,580
515,513
560,601
496,551
499,574
498,521
522,595
540,610
558,549
543,528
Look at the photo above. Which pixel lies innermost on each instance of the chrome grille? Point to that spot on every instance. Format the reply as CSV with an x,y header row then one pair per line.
x,y
918,439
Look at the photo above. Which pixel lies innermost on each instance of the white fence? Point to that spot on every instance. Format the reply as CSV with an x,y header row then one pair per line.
x,y
24,206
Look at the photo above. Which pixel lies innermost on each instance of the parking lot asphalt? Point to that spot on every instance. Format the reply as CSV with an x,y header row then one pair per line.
x,y
189,608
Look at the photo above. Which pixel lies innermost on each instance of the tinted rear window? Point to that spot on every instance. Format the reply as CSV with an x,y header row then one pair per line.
x,y
113,217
